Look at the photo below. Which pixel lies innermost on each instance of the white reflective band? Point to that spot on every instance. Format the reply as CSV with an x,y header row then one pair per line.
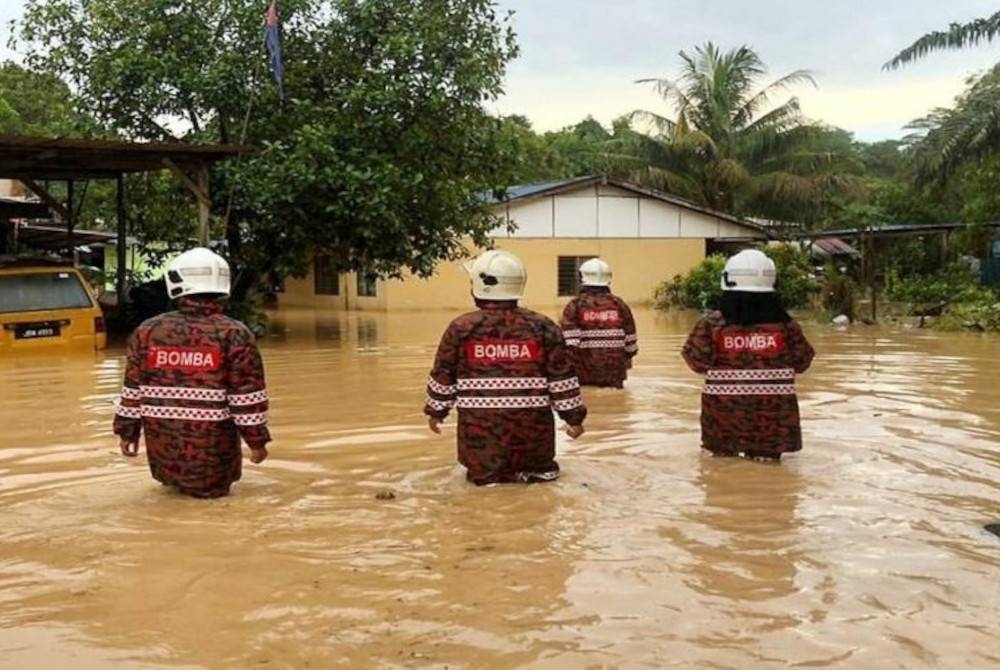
x,y
751,375
632,338
250,419
438,388
567,405
439,406
749,389
245,399
565,385
572,334
631,348
502,383
603,334
184,413
573,342
128,412
131,393
504,402
602,344
182,393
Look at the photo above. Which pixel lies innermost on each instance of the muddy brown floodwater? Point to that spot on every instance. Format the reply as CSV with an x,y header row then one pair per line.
x,y
866,550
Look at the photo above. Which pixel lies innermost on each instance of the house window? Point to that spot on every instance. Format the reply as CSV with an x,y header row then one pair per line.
x,y
569,274
326,278
367,285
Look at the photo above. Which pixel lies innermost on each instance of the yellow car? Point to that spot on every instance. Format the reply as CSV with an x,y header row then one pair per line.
x,y
45,305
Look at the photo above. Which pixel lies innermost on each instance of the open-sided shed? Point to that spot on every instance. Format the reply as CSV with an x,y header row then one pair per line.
x,y
34,161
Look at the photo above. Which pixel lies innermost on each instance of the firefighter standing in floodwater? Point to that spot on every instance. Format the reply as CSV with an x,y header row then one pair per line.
x,y
749,350
599,329
194,383
505,369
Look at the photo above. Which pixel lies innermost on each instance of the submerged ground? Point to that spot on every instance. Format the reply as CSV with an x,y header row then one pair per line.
x,y
866,550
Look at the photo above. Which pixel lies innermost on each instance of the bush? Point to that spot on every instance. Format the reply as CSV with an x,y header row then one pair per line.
x,y
981,314
921,293
839,294
701,286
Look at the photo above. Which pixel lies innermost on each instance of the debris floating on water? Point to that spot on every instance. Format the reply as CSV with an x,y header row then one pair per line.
x,y
385,495
993,528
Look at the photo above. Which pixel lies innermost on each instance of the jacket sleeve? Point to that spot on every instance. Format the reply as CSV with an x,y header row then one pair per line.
x,y
699,350
631,336
564,386
442,381
802,352
246,391
128,417
570,324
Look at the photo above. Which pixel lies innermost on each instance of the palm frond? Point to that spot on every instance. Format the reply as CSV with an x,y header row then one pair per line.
x,y
958,36
752,107
663,126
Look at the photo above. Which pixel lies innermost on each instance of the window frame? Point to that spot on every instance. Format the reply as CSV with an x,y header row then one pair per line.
x,y
367,280
326,276
575,279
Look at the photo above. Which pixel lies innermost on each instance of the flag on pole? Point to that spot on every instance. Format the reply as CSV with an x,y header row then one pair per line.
x,y
272,39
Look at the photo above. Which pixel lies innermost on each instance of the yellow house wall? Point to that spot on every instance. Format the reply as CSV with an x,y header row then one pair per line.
x,y
639,265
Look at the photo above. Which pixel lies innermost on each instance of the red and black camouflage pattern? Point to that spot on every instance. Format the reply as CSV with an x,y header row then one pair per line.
x,y
601,335
749,404
194,384
505,369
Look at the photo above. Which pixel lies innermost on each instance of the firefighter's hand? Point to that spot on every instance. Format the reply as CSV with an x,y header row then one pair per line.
x,y
434,424
575,431
129,448
258,454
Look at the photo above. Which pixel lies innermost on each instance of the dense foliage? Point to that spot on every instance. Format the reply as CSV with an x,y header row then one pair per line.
x,y
701,287
380,154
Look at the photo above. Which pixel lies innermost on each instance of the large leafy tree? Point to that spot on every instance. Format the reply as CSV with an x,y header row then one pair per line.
x,y
730,146
957,36
33,103
380,153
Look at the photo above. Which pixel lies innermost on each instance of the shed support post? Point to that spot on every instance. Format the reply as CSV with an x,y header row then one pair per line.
x,y
122,247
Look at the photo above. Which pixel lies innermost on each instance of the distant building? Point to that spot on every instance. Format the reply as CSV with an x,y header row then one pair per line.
x,y
647,236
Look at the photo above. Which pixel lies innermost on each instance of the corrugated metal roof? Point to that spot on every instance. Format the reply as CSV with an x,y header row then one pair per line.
x,y
834,246
523,191
23,156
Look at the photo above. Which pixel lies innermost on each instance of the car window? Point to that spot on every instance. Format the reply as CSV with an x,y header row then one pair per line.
x,y
41,291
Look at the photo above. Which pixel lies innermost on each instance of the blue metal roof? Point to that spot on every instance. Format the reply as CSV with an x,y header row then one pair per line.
x,y
527,190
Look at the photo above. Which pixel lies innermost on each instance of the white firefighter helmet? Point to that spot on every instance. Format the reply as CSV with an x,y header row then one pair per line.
x,y
197,272
497,275
595,272
750,271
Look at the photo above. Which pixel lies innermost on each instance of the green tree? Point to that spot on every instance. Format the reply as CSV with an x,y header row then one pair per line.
x,y
730,147
379,155
33,103
957,36
949,138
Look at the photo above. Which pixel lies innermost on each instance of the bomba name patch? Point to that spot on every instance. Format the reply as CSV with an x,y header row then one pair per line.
x,y
752,342
517,351
186,359
606,316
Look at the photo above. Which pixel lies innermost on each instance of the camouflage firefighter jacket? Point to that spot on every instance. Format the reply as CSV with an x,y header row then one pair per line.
x,y
194,383
600,333
748,404
505,369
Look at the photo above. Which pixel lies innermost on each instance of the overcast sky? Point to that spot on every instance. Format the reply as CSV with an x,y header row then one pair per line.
x,y
581,57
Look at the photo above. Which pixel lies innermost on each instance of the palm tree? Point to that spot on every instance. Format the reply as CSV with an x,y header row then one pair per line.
x,y
949,138
729,147
958,36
